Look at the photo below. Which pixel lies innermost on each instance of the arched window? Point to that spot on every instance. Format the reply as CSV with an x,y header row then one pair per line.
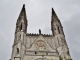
x,y
17,50
21,27
58,29
57,40
20,36
35,52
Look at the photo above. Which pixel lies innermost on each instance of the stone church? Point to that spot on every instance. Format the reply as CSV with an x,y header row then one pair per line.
x,y
30,46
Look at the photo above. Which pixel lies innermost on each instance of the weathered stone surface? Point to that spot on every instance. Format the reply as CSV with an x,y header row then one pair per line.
x,y
29,46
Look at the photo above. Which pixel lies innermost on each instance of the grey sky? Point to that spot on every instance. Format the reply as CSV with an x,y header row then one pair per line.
x,y
39,17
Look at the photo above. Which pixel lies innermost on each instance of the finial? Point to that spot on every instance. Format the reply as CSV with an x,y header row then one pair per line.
x,y
39,31
52,8
23,5
53,12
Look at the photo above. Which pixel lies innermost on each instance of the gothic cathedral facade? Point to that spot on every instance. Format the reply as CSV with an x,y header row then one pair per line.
x,y
40,46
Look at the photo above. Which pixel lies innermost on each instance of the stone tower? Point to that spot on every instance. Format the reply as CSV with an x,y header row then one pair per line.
x,y
29,46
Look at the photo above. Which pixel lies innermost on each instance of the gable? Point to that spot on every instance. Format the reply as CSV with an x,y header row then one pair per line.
x,y
40,44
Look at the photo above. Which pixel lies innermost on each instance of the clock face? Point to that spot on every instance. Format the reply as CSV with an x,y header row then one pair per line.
x,y
40,45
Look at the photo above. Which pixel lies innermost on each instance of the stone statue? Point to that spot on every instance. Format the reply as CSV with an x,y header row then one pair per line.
x,y
39,31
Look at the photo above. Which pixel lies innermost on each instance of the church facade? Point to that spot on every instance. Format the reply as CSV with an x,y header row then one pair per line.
x,y
40,46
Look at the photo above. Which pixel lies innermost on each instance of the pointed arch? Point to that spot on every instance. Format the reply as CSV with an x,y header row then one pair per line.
x,y
58,29
20,37
17,50
21,27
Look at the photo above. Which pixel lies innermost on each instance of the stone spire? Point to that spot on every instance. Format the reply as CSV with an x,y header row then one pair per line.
x,y
56,26
21,24
53,12
54,16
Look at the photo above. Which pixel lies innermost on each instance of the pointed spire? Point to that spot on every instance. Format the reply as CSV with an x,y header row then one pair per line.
x,y
23,5
23,8
55,24
54,15
23,11
22,14
53,12
22,20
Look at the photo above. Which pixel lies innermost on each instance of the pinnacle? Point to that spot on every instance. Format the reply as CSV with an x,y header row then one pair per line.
x,y
53,12
23,6
22,13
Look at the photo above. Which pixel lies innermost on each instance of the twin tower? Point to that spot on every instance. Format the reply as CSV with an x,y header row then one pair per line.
x,y
40,46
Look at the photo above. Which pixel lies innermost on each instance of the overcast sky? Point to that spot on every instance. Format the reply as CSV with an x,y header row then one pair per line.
x,y
39,17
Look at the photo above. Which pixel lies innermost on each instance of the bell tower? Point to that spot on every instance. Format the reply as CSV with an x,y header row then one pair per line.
x,y
20,33
57,31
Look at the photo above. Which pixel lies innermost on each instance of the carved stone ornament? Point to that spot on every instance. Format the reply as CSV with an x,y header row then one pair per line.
x,y
40,45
